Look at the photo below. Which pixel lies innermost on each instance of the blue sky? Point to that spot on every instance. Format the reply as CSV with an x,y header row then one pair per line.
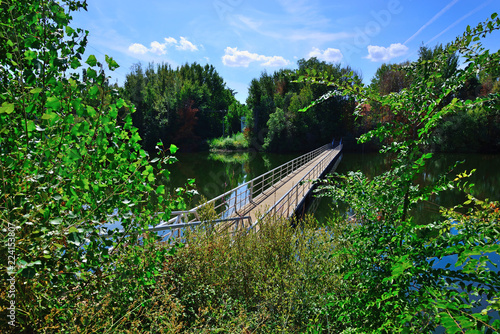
x,y
242,38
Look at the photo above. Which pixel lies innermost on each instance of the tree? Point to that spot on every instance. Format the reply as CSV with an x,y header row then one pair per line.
x,y
391,282
278,97
71,164
233,118
161,92
391,78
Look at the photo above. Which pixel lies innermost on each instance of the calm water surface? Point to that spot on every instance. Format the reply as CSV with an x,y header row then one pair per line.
x,y
216,173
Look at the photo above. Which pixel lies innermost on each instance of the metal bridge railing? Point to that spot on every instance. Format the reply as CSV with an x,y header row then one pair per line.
x,y
227,205
287,204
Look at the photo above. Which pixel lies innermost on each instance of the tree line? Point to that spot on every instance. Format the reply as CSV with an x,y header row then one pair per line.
x,y
276,100
191,104
470,130
184,106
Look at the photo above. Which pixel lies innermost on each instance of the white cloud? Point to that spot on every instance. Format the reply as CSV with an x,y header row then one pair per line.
x,y
158,48
380,53
275,61
186,45
161,48
236,58
328,55
138,48
170,40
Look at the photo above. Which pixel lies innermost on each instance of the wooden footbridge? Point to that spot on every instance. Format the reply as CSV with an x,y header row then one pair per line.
x,y
279,192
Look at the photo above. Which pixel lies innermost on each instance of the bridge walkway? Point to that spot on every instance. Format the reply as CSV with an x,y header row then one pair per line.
x,y
278,192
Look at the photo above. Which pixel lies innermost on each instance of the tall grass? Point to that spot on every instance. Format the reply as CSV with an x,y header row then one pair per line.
x,y
278,279
235,142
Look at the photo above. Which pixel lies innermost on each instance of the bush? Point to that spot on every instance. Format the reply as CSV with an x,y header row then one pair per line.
x,y
276,279
392,280
235,142
71,162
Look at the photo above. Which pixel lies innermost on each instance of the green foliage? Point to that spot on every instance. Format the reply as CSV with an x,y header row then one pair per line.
x,y
185,105
391,277
275,101
276,280
235,142
466,130
70,164
391,78
476,130
234,116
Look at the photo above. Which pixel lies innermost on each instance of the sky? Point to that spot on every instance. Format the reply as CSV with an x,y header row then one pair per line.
x,y
243,38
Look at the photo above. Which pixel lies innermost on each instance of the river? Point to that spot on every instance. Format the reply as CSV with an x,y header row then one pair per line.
x,y
216,173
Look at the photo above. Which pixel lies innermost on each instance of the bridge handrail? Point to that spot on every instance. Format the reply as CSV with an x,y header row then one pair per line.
x,y
286,198
253,187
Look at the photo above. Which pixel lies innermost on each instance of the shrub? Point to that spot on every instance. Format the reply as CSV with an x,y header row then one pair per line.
x,y
276,279
235,142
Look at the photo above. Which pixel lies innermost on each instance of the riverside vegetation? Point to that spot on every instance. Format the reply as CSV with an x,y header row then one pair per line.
x,y
71,160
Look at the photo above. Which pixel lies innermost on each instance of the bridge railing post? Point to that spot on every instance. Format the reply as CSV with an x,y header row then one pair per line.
x,y
297,196
251,192
236,201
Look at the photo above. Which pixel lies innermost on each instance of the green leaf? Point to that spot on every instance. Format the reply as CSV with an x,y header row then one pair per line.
x,y
91,73
91,60
160,189
7,108
112,64
93,90
75,63
91,111
75,238
49,115
69,30
72,229
31,126
53,103
56,221
35,90
120,103
173,148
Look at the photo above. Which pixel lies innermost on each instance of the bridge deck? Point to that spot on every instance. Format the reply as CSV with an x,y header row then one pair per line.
x,y
268,198
278,192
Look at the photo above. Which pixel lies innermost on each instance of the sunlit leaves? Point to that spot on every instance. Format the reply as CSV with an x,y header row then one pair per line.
x,y
91,61
393,261
112,64
7,108
68,162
